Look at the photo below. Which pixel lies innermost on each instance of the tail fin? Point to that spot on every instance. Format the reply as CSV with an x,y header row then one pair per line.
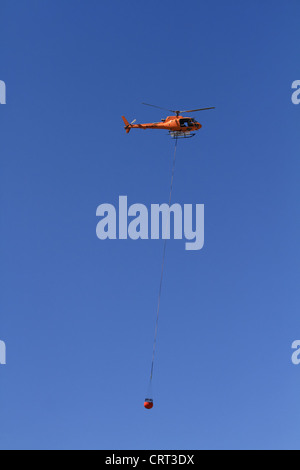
x,y
127,125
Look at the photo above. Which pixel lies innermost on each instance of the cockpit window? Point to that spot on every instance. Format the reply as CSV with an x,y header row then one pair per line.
x,y
185,122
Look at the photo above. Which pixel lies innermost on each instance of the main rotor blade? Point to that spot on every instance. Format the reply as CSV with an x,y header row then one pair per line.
x,y
159,107
194,110
176,111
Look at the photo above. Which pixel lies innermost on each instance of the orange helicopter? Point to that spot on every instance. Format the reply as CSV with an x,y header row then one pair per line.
x,y
178,125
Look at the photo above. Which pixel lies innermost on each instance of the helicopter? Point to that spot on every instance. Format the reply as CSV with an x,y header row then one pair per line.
x,y
177,125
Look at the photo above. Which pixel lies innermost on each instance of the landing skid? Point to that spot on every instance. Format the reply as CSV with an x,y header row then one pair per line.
x,y
181,135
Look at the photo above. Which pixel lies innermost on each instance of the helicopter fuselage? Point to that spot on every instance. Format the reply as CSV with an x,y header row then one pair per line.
x,y
171,124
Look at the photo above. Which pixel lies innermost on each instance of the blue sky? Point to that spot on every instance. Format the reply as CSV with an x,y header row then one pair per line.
x,y
77,313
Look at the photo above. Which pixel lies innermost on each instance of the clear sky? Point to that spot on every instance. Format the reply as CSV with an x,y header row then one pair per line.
x,y
77,313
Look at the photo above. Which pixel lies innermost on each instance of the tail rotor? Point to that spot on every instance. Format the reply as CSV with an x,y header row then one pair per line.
x,y
127,124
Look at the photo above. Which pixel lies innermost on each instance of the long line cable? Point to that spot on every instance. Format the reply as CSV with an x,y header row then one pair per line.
x,y
162,268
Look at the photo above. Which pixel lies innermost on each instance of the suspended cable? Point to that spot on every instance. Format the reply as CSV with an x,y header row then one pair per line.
x,y
162,268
